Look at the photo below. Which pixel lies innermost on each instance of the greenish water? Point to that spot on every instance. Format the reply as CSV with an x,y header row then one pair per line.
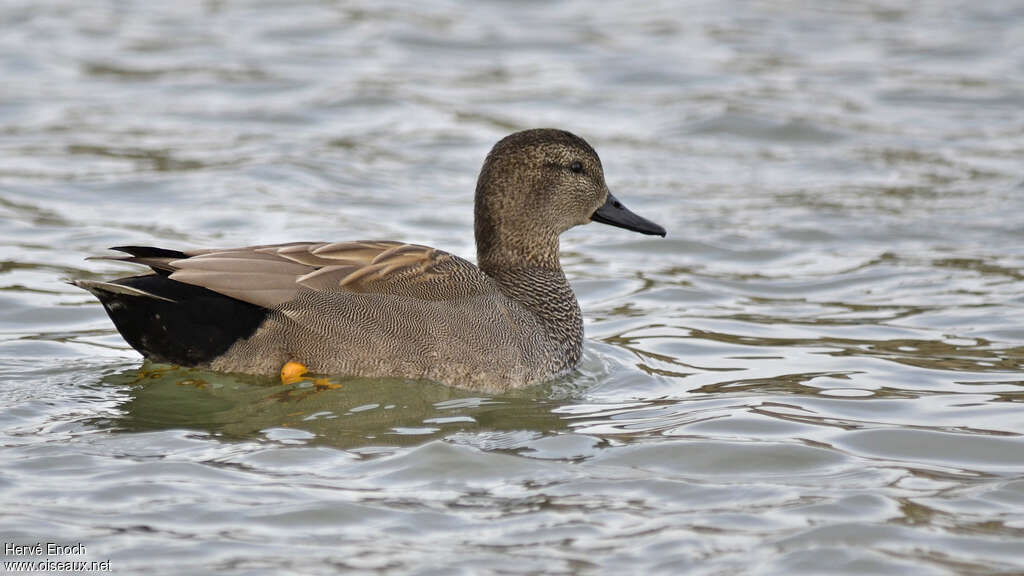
x,y
820,370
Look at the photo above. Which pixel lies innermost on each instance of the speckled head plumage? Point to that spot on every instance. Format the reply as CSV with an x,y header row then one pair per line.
x,y
533,186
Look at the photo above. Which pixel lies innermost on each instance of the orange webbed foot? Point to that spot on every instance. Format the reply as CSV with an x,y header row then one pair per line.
x,y
292,372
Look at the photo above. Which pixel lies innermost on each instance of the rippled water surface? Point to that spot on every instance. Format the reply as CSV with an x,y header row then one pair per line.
x,y
820,370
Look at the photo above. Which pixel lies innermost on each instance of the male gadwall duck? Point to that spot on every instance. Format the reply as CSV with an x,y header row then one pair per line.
x,y
385,308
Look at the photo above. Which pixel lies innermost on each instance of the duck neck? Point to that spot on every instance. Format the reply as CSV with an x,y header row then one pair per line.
x,y
521,254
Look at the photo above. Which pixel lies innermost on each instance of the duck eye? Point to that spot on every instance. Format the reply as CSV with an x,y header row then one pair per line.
x,y
576,167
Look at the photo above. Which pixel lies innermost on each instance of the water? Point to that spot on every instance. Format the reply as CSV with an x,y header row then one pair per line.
x,y
820,370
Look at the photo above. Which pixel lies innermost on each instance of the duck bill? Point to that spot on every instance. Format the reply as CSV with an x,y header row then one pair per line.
x,y
615,214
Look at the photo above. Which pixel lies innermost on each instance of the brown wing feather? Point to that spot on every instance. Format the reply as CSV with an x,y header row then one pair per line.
x,y
271,275
394,268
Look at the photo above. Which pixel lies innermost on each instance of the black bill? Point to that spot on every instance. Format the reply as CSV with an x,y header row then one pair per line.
x,y
614,213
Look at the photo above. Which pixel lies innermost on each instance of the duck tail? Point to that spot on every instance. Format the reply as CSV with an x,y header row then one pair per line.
x,y
173,322
107,289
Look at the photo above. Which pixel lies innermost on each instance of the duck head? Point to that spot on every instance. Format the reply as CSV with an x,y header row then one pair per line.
x,y
536,184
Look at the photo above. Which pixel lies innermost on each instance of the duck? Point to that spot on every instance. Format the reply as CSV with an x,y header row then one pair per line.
x,y
388,309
